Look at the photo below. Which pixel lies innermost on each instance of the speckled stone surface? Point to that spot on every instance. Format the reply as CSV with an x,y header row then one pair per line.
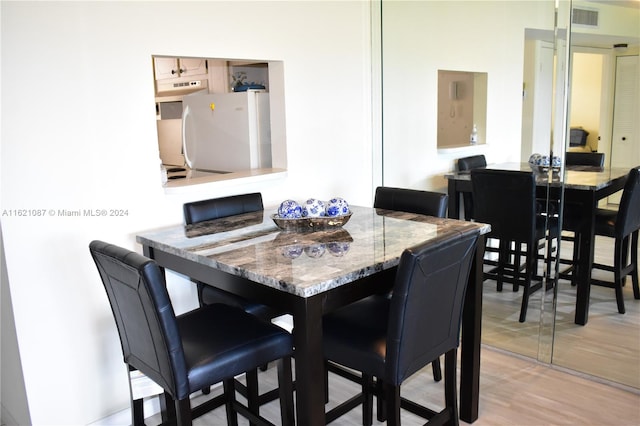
x,y
577,177
304,263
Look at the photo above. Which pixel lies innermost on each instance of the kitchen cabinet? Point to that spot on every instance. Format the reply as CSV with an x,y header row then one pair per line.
x,y
170,68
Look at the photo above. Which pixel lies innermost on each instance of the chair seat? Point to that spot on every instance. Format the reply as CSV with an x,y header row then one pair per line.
x,y
240,342
356,339
605,223
210,295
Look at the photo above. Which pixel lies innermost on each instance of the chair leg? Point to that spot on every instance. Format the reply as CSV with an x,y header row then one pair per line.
x,y
532,259
450,385
137,412
437,369
285,385
503,252
230,397
516,264
167,408
183,412
367,403
634,262
326,382
618,279
252,392
392,399
381,407
576,259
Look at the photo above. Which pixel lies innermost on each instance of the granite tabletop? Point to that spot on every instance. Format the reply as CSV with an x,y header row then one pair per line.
x,y
576,177
304,263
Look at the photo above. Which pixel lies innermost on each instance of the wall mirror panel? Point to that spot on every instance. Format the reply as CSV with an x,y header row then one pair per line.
x,y
530,108
603,94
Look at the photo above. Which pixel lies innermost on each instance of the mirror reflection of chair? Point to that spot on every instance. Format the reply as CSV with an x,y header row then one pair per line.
x,y
215,208
467,164
186,353
623,225
572,214
507,201
411,200
392,338
594,159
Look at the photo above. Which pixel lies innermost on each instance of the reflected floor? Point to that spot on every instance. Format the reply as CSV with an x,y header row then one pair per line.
x,y
608,347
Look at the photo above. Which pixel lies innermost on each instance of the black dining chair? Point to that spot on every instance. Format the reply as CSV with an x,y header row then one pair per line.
x,y
185,353
467,164
572,214
411,201
215,208
623,225
506,200
393,338
414,201
595,159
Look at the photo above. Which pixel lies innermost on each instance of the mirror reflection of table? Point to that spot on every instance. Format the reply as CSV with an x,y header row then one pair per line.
x,y
308,274
583,187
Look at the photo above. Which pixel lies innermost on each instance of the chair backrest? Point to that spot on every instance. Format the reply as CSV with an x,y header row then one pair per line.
x,y
466,164
506,200
584,159
426,304
411,201
628,219
144,315
472,162
215,208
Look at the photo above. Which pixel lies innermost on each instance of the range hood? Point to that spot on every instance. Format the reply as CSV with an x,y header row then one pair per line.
x,y
174,91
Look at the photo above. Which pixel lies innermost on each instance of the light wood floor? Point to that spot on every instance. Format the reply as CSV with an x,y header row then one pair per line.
x,y
513,391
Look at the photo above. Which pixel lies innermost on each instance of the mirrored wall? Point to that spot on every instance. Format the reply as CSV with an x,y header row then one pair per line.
x,y
536,93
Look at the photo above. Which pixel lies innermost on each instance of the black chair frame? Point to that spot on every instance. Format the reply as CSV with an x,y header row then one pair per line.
x,y
388,347
507,200
185,353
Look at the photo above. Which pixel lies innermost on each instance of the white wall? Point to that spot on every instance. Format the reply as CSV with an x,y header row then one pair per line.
x,y
78,132
475,36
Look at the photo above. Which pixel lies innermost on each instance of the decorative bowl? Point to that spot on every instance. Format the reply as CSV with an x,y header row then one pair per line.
x,y
310,223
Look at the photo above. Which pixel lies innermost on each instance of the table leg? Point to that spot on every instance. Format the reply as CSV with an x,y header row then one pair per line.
x,y
585,237
309,361
454,200
471,339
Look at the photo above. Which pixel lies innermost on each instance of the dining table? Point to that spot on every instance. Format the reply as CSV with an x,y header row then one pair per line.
x,y
309,272
581,186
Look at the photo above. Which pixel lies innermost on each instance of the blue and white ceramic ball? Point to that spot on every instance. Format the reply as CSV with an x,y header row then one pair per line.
x,y
337,207
535,159
544,161
315,250
289,209
313,208
338,249
292,252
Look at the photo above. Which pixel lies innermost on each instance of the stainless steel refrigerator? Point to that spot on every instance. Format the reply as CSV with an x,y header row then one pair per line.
x,y
226,132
